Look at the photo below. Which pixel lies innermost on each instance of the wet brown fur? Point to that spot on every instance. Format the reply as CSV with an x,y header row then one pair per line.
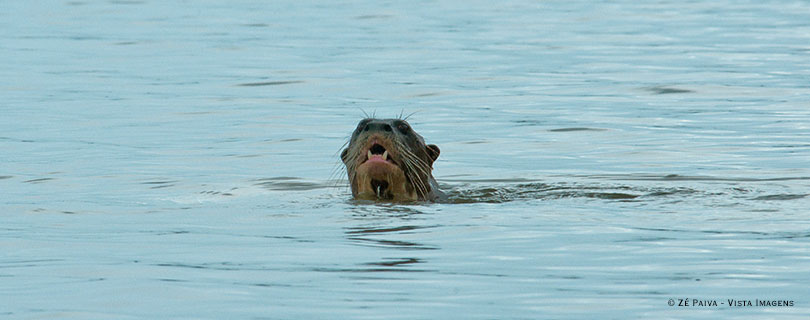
x,y
408,178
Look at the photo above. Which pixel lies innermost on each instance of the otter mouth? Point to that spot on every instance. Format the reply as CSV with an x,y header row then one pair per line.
x,y
378,153
380,187
379,175
381,166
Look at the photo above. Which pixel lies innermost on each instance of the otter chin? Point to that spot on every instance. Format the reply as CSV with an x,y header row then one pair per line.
x,y
387,160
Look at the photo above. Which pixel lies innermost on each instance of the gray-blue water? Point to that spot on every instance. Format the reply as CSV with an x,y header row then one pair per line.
x,y
166,159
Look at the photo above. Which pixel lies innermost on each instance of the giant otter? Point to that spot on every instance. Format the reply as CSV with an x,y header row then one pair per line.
x,y
387,160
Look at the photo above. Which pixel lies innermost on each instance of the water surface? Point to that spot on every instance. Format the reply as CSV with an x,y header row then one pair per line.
x,y
180,160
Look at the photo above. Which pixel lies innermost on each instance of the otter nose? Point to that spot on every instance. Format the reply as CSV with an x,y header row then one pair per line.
x,y
375,126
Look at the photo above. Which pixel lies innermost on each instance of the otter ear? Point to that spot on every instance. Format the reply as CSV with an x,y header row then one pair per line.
x,y
433,152
344,154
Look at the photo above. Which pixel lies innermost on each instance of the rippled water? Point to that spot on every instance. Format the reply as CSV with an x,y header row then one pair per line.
x,y
180,160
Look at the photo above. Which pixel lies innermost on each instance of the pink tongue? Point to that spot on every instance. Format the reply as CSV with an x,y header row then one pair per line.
x,y
375,158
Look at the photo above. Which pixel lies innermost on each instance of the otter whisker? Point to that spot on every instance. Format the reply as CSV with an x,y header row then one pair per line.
x,y
406,160
414,169
420,187
415,161
408,116
336,169
420,162
421,165
415,176
415,181
409,152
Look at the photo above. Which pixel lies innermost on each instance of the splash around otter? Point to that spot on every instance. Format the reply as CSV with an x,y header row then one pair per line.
x,y
387,160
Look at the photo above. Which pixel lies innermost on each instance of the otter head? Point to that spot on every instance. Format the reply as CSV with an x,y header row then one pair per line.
x,y
387,160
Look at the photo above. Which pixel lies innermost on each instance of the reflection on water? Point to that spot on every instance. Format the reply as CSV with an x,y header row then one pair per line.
x,y
372,237
288,183
608,187
161,160
666,188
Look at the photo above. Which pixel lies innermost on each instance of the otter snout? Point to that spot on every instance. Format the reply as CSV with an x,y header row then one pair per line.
x,y
375,126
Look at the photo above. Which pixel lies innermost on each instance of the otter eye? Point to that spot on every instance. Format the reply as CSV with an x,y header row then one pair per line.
x,y
362,125
403,127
